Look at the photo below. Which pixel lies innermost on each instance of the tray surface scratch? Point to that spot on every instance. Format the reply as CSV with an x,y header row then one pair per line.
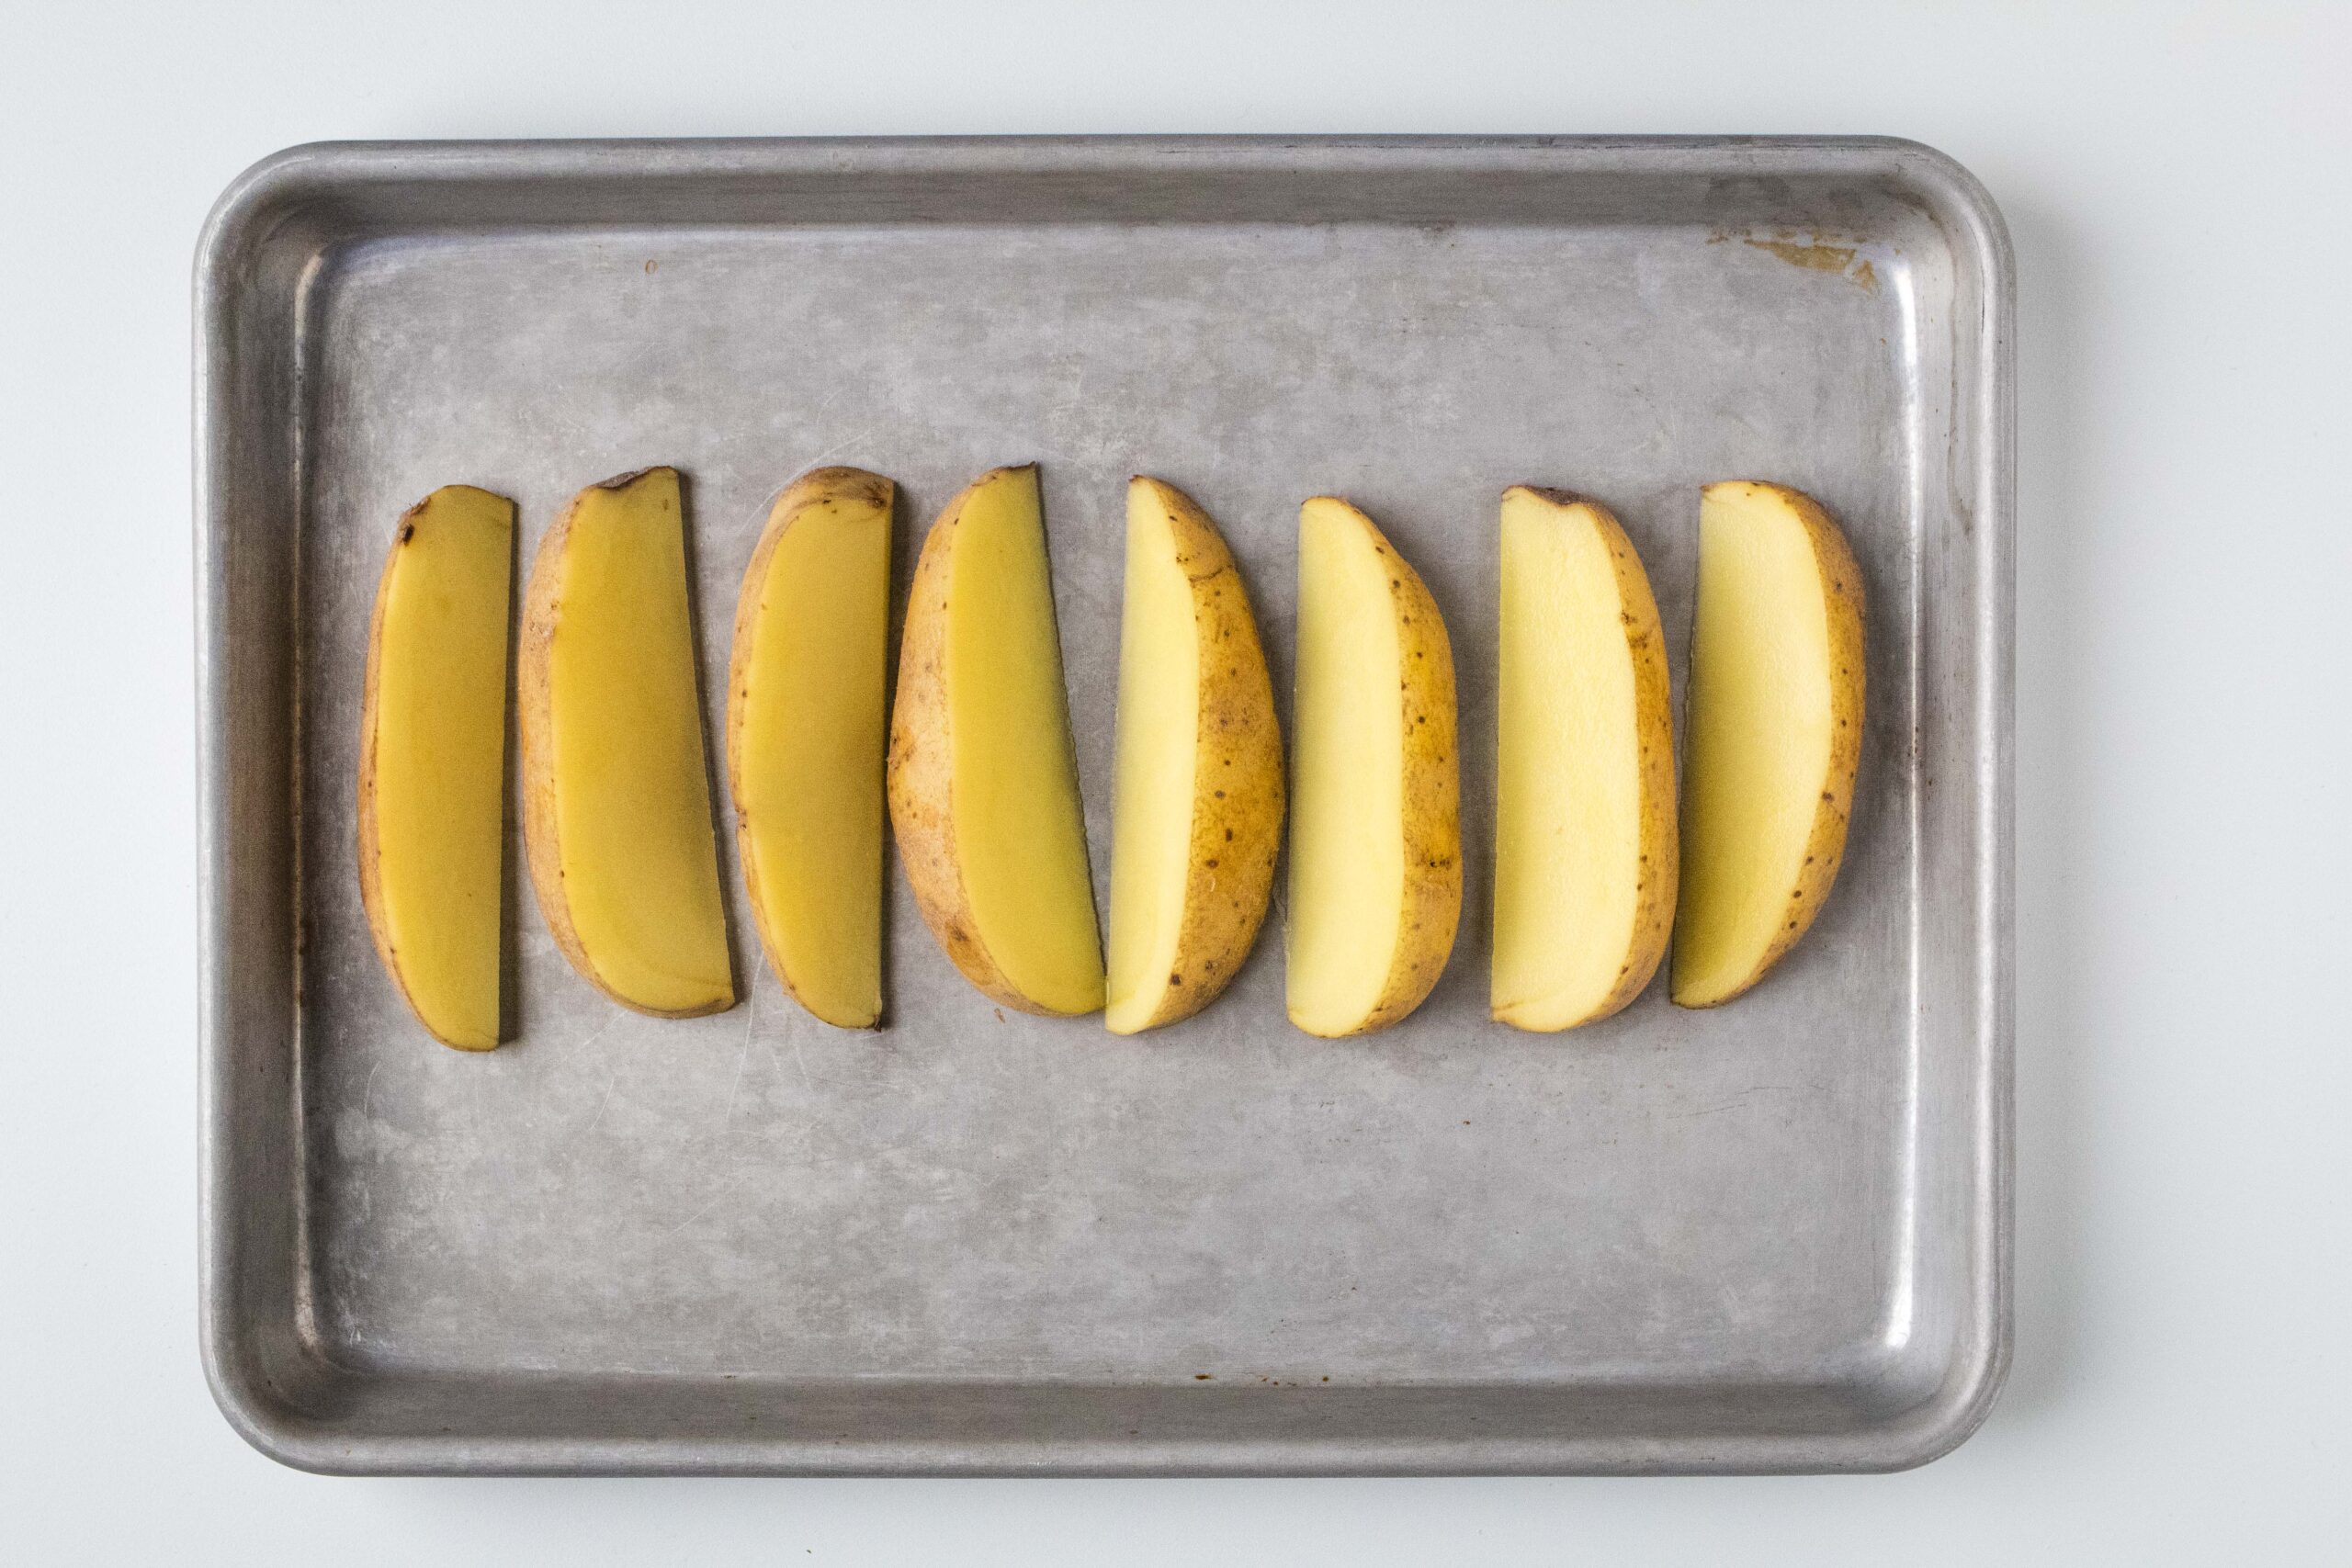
x,y
1768,1238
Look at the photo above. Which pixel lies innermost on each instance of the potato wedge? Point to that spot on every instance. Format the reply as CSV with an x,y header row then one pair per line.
x,y
806,694
1771,737
983,780
1375,845
616,800
1199,809
1585,865
433,761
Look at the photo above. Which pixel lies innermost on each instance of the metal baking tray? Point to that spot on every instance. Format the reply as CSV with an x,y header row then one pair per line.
x,y
1768,1237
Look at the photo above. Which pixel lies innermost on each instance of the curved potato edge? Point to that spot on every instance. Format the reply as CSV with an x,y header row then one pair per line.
x,y
919,774
1843,601
371,892
815,486
1234,830
1660,847
542,836
1432,915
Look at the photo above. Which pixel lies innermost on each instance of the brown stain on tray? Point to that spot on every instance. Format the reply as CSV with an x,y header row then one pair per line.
x,y
1814,257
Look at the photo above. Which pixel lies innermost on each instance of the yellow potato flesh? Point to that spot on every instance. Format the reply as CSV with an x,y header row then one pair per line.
x,y
806,706
432,790
624,795
1347,866
1584,802
1020,830
1771,735
1159,704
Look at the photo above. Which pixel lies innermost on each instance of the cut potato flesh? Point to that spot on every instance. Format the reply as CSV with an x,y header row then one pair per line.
x,y
1771,737
616,801
1199,803
1375,870
804,730
433,761
1584,799
983,780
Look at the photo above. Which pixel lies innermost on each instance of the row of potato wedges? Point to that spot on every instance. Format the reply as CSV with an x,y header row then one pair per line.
x,y
1594,866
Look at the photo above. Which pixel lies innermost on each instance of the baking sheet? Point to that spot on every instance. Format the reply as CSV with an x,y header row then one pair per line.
x,y
1771,1236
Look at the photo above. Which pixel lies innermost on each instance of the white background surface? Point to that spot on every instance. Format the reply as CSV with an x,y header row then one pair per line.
x,y
2176,181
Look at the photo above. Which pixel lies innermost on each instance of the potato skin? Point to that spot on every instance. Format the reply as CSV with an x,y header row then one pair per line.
x,y
1239,789
1661,838
1432,795
1825,849
371,876
542,838
920,770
